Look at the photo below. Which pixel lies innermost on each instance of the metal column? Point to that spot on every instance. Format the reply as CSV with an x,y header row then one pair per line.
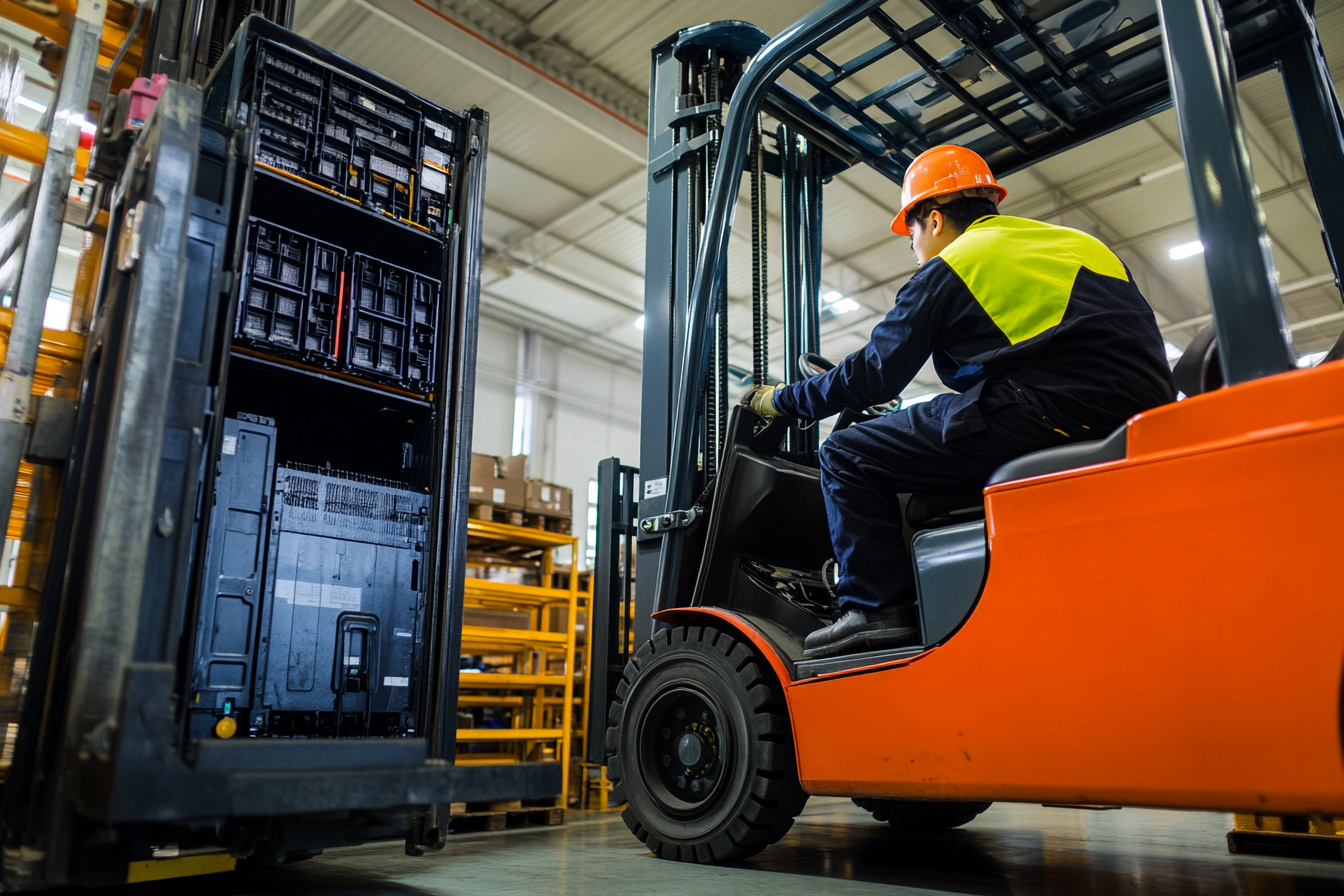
x,y
800,191
1253,335
612,613
45,213
1320,132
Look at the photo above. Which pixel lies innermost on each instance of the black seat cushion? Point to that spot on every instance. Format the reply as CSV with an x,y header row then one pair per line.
x,y
1065,457
926,509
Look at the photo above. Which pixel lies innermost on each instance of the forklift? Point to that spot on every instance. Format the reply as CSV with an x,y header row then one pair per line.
x,y
234,633
1085,617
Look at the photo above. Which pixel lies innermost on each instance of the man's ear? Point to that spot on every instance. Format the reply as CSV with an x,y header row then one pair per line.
x,y
937,224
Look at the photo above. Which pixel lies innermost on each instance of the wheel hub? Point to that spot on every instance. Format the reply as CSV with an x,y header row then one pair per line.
x,y
683,738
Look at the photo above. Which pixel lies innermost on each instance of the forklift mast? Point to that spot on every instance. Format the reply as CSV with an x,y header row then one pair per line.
x,y
1048,76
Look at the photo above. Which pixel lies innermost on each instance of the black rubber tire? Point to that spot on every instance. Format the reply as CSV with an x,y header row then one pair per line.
x,y
922,816
756,794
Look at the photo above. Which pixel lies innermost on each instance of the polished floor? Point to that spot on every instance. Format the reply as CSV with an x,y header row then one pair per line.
x,y
834,848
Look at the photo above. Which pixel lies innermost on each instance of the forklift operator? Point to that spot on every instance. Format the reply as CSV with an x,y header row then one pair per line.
x,y
1040,331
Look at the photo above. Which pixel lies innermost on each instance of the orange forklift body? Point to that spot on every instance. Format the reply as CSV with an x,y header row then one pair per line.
x,y
1165,630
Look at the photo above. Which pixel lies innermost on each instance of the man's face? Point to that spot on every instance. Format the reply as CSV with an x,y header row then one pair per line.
x,y
929,236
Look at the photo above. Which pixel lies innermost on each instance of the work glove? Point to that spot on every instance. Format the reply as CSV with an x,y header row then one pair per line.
x,y
761,399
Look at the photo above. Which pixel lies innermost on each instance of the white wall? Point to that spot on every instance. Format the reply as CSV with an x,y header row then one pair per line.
x,y
584,409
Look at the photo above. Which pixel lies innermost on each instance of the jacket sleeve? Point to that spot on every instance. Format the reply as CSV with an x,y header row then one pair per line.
x,y
897,349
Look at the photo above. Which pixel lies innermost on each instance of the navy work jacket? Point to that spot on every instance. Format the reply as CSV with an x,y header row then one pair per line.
x,y
1049,310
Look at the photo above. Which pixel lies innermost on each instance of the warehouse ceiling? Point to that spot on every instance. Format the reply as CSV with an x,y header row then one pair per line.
x,y
566,85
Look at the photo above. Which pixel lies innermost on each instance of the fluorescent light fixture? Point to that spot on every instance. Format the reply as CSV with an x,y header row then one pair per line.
x,y
1310,360
844,306
1173,353
830,298
639,322
1185,250
32,104
918,399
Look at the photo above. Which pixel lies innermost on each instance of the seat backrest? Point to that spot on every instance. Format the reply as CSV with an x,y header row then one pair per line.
x,y
1336,351
1065,457
1199,370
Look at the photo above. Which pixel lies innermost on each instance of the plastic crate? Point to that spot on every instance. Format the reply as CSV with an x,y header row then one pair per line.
x,y
379,138
387,150
291,295
433,206
289,93
391,324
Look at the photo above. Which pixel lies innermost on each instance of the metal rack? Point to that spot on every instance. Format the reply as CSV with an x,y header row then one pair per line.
x,y
539,699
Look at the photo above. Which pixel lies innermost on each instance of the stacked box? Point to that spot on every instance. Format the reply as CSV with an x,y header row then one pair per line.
x,y
500,481
549,499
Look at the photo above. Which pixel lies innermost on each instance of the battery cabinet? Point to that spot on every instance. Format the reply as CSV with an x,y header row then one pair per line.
x,y
320,533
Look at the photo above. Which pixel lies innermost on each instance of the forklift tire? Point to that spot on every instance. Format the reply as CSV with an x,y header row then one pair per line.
x,y
699,748
921,816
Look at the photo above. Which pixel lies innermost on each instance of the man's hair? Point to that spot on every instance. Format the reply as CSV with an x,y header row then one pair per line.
x,y
960,213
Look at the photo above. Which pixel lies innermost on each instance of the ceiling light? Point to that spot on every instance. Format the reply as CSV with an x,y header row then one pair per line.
x,y
844,306
1173,353
31,104
830,298
918,399
639,322
1185,250
1310,360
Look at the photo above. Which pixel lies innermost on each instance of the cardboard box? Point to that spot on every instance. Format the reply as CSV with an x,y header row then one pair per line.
x,y
498,480
550,499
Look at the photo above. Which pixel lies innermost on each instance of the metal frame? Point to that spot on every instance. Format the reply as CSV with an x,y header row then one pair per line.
x,y
612,614
103,744
45,214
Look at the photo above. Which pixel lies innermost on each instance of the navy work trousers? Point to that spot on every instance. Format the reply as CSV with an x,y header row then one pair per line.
x,y
867,466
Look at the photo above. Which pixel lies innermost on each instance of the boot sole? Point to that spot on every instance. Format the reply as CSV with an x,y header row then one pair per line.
x,y
864,642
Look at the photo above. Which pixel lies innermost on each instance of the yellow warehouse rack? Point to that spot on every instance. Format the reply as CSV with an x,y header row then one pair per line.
x,y
520,628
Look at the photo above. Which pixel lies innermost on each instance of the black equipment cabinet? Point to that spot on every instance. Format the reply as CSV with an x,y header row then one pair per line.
x,y
251,645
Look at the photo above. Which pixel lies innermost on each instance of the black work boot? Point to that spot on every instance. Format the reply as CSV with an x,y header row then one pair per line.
x,y
860,631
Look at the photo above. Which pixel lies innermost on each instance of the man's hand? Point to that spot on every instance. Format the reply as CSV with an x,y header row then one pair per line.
x,y
761,399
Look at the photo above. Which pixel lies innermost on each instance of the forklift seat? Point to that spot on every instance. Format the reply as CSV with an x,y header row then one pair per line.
x,y
1065,457
928,510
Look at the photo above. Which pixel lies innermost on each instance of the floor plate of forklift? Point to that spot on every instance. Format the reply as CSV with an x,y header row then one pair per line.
x,y
833,848
813,668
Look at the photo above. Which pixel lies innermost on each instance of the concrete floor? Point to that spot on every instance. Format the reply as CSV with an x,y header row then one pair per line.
x,y
833,848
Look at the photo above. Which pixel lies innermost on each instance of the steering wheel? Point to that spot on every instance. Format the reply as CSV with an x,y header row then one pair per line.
x,y
811,364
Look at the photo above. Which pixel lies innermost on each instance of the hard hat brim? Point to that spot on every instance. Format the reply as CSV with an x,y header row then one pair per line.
x,y
898,226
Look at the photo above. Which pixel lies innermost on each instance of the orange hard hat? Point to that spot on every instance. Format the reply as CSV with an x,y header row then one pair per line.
x,y
940,171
